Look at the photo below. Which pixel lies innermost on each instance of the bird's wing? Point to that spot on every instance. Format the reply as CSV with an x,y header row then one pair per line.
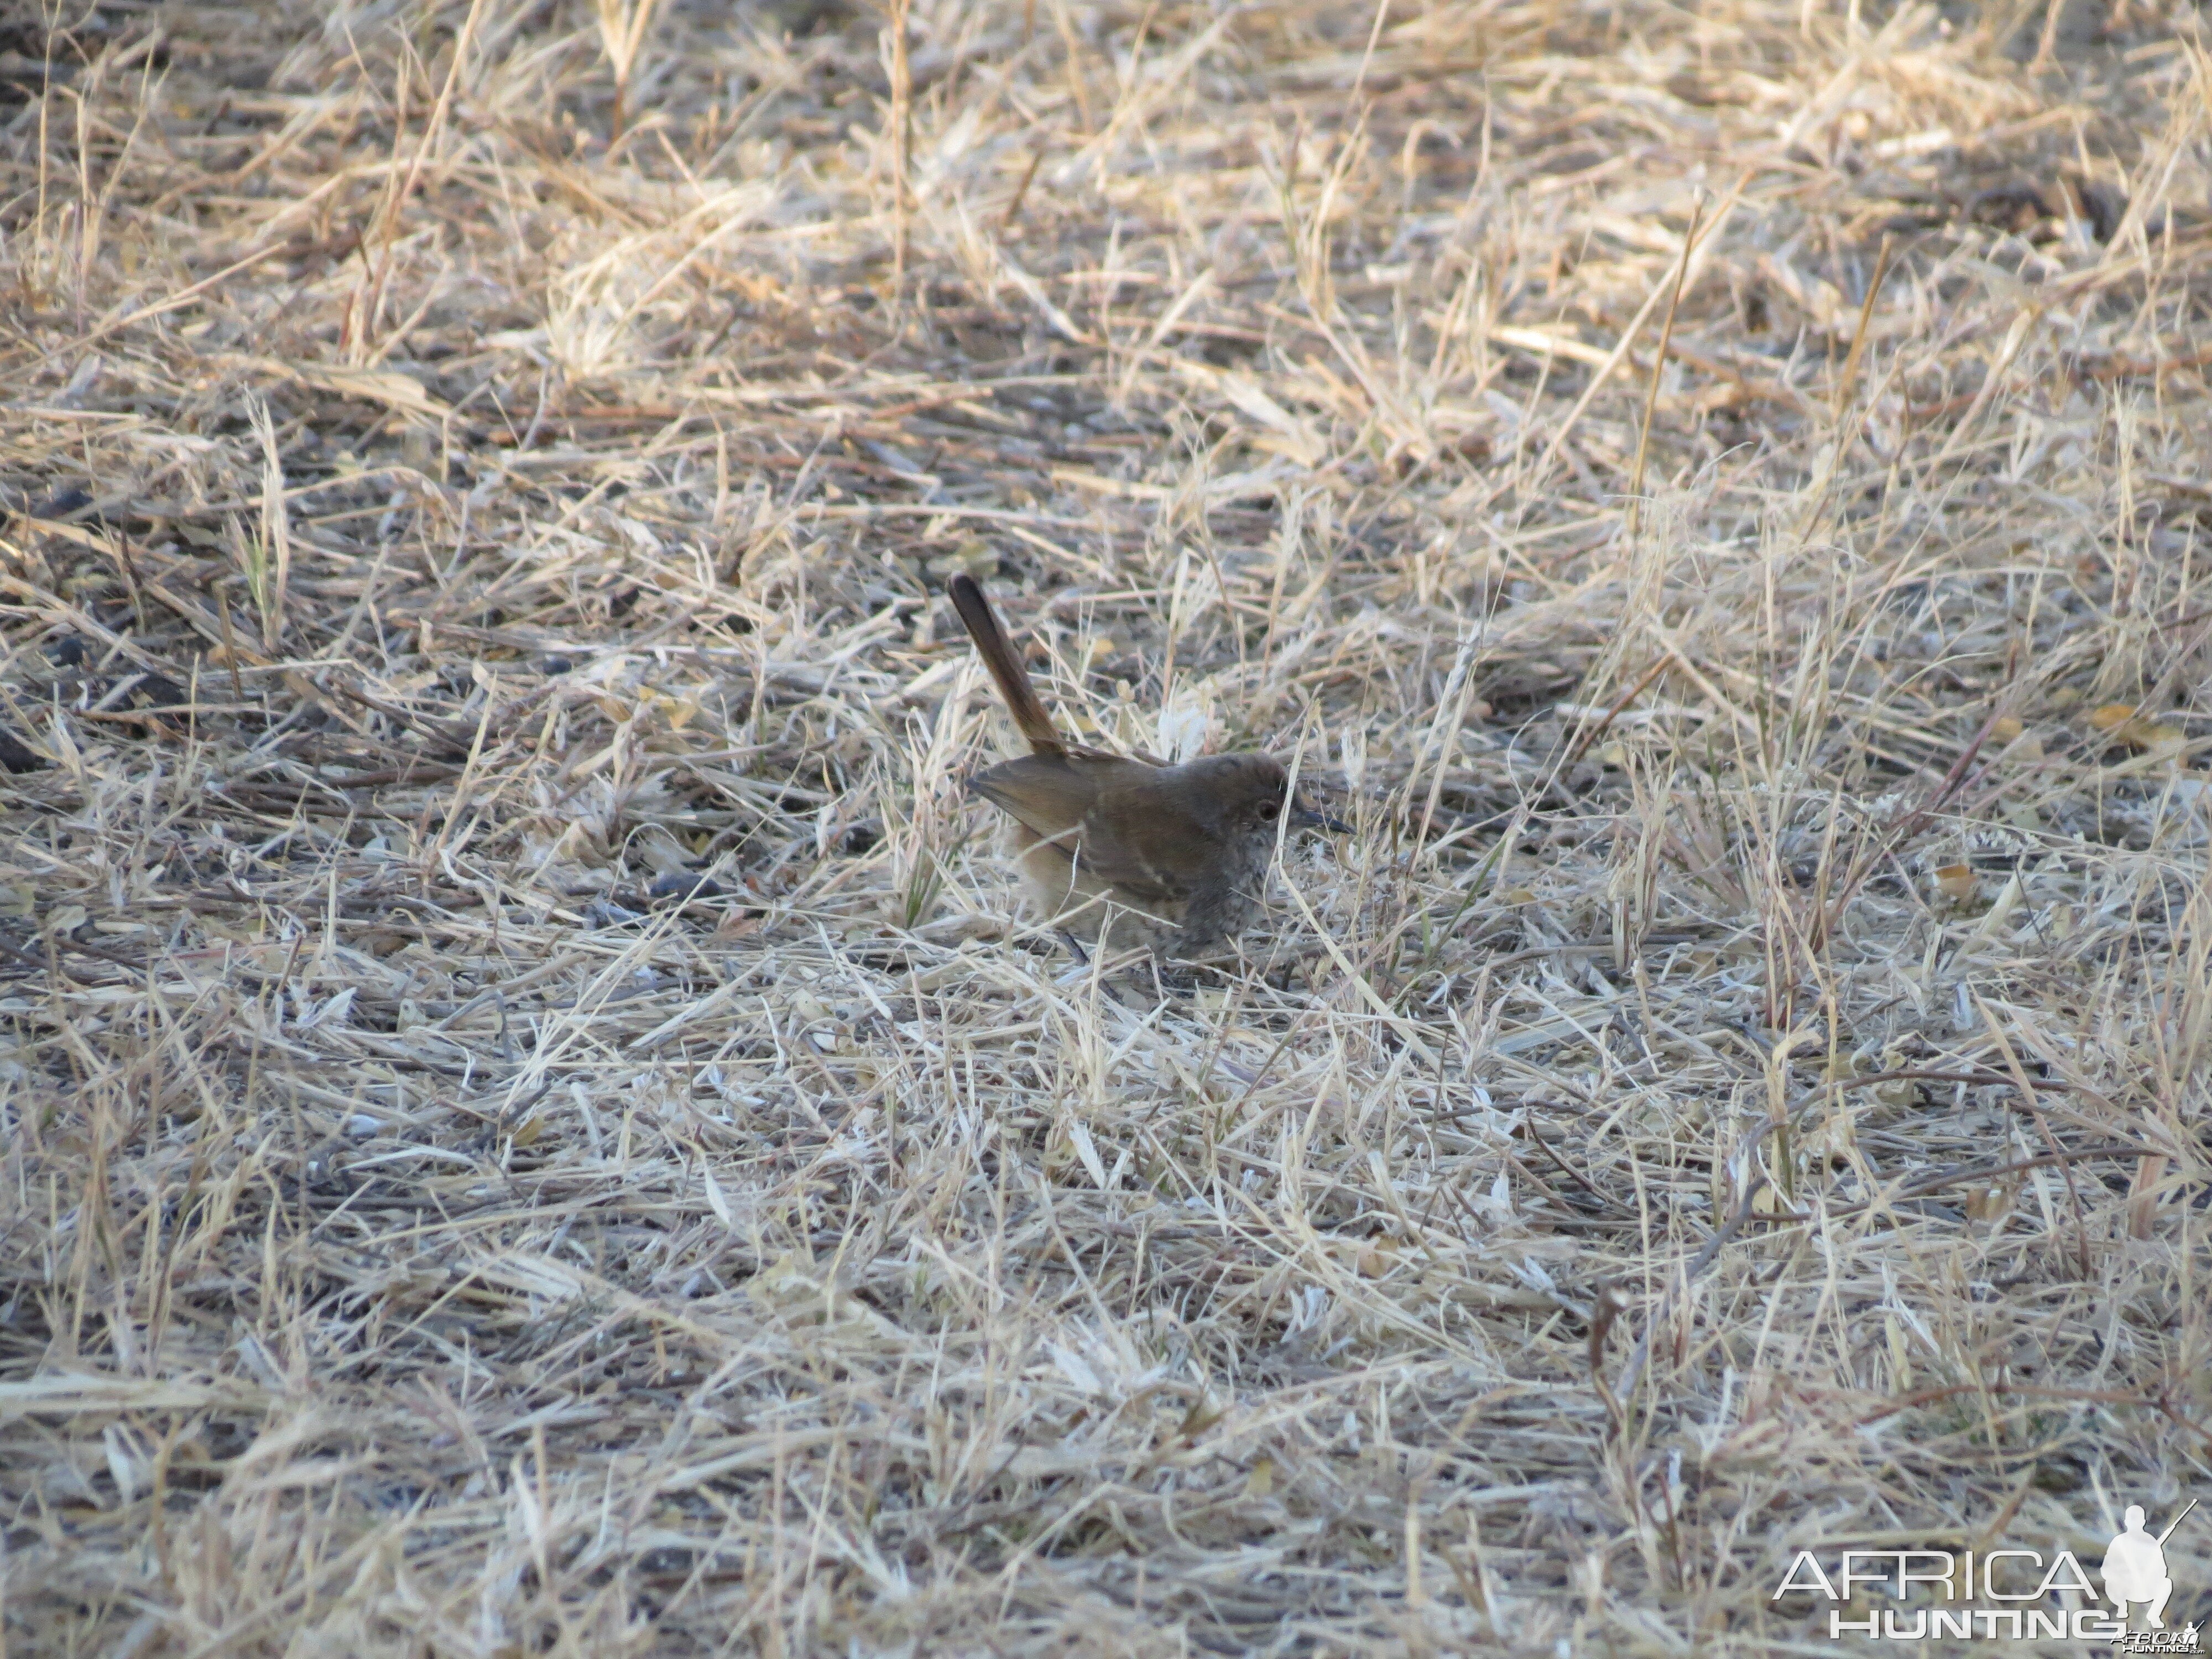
x,y
1167,863
1089,808
1052,793
1047,792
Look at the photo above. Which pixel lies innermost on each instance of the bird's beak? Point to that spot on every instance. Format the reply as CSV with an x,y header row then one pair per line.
x,y
1305,818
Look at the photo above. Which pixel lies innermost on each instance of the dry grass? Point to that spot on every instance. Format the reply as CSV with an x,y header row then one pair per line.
x,y
1743,1087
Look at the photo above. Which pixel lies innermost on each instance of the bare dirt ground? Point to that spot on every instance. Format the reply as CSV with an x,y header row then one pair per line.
x,y
533,1123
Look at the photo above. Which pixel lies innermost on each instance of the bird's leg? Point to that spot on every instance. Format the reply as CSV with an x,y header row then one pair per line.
x,y
1074,949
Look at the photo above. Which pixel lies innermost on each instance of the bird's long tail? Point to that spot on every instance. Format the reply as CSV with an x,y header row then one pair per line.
x,y
1005,665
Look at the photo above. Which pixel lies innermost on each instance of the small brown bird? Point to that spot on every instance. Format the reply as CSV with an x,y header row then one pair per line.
x,y
1173,857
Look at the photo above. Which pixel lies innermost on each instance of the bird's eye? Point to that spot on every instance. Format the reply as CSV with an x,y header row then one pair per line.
x,y
1271,810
